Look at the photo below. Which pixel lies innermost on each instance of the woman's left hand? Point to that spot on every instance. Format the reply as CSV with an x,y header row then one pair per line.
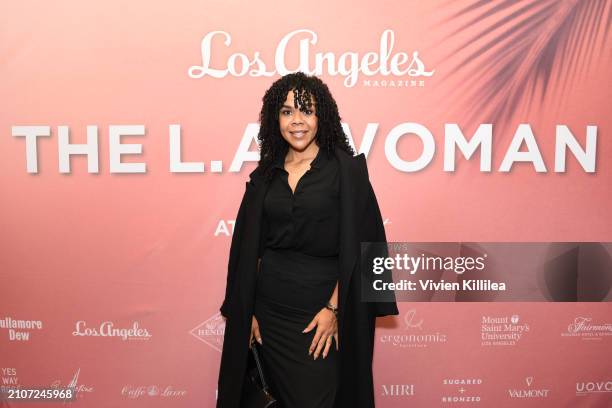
x,y
327,329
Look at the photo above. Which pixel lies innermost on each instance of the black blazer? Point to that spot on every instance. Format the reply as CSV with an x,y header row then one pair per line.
x,y
360,221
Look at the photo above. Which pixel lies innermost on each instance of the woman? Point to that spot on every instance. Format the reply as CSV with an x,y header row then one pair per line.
x,y
291,282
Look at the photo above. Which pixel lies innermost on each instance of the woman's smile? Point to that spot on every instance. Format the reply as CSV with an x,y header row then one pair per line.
x,y
298,133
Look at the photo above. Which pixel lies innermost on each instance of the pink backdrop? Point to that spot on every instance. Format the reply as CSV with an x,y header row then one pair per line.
x,y
86,250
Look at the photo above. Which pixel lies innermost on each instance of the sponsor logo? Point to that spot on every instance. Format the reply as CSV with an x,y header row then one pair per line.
x,y
593,387
528,392
80,389
211,331
151,391
397,390
19,330
464,390
585,328
414,335
502,331
10,380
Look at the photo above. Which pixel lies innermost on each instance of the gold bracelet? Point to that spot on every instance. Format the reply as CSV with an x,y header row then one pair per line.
x,y
333,308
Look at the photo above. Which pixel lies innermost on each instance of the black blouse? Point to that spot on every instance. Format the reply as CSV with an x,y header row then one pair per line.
x,y
307,221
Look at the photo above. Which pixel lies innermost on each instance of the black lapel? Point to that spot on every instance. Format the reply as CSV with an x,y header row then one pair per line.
x,y
352,205
256,191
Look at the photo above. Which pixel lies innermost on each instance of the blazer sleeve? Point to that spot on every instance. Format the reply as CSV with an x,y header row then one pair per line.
x,y
234,255
375,232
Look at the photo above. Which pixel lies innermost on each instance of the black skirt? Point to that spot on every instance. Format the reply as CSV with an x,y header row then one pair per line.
x,y
292,287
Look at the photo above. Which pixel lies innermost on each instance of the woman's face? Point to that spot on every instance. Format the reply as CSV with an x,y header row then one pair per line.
x,y
297,128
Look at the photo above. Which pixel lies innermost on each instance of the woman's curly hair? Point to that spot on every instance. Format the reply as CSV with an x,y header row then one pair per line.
x,y
329,130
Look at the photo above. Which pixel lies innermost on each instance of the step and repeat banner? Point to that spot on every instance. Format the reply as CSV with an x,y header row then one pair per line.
x,y
128,130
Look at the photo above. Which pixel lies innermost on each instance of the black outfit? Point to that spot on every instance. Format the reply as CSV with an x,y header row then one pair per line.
x,y
298,273
360,221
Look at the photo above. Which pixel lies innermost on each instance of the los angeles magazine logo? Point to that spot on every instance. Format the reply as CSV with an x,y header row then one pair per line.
x,y
405,69
110,329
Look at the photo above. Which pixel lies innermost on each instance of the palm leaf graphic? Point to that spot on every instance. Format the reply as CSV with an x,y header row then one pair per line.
x,y
525,43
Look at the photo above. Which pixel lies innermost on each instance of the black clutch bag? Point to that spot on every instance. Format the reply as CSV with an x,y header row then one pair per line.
x,y
255,390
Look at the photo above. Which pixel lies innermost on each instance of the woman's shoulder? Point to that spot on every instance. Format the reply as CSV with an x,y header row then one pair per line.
x,y
255,176
357,164
343,154
255,173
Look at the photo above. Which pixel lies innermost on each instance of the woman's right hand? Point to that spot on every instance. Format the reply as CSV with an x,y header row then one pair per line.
x,y
255,334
